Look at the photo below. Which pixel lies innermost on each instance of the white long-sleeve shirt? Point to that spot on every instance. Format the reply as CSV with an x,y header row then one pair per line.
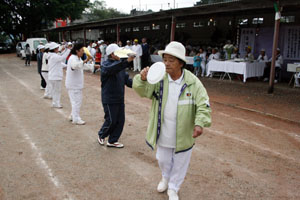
x,y
74,76
262,58
44,63
55,65
137,49
213,56
278,62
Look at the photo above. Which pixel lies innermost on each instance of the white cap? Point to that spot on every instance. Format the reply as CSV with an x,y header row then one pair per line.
x,y
112,48
128,41
53,45
40,47
174,49
47,46
69,43
99,42
94,45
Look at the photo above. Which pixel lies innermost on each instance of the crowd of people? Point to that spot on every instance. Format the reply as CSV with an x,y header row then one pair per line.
x,y
180,104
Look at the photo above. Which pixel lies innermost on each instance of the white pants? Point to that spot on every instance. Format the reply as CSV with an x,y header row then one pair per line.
x,y
48,86
203,66
173,166
76,100
297,77
137,63
55,92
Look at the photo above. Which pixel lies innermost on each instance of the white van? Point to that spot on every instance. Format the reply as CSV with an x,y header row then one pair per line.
x,y
33,43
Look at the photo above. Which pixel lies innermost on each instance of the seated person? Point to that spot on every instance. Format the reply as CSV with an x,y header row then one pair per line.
x,y
215,55
262,57
235,53
278,64
249,56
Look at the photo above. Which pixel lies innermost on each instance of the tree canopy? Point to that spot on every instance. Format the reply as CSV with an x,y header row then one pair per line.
x,y
98,11
24,16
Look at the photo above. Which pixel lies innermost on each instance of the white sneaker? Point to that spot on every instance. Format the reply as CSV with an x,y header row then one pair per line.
x,y
163,185
57,106
173,195
42,88
70,118
115,145
79,122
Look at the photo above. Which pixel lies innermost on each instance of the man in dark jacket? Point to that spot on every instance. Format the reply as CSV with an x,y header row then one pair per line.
x,y
113,80
39,58
145,56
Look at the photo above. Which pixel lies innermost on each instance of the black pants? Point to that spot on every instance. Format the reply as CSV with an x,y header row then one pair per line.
x,y
43,82
27,59
145,61
267,72
114,122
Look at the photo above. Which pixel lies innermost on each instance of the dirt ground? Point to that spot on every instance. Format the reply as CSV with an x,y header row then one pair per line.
x,y
252,150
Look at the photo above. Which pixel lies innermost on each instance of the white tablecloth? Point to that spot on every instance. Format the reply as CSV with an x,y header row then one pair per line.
x,y
248,69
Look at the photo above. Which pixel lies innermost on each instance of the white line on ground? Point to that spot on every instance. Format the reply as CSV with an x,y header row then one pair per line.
x,y
264,149
39,158
293,135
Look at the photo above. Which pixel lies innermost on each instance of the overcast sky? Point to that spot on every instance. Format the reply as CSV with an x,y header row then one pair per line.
x,y
155,5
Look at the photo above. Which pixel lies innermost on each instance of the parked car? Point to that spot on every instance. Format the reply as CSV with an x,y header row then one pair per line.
x,y
33,43
4,47
20,46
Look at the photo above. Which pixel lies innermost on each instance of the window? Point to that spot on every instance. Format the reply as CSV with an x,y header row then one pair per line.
x,y
243,21
180,25
257,20
198,24
135,29
287,19
146,28
155,27
127,29
112,31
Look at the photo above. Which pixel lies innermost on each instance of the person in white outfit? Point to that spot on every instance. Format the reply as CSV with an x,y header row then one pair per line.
x,y
56,62
215,55
137,48
262,57
128,45
103,47
45,69
74,82
93,50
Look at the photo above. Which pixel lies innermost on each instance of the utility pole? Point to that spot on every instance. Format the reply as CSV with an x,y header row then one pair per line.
x,y
275,45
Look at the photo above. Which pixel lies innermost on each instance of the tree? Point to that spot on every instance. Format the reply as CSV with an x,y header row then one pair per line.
x,y
98,11
25,16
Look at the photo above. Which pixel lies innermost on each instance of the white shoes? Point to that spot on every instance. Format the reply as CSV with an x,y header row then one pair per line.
x,y
70,118
114,145
163,185
79,122
173,195
57,106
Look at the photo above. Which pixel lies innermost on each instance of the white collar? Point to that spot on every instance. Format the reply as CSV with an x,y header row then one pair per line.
x,y
178,81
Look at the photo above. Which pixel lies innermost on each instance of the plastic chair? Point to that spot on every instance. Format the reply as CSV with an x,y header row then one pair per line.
x,y
297,71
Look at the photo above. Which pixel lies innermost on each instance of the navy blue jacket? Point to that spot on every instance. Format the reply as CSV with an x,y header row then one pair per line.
x,y
113,81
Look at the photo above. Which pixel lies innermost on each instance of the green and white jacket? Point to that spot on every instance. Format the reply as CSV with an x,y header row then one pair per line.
x,y
193,109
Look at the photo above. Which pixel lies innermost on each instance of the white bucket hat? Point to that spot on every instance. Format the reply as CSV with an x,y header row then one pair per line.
x,y
53,45
94,45
40,47
47,46
112,48
174,49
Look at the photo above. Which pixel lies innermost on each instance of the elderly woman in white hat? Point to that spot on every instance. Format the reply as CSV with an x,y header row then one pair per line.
x,y
263,56
55,75
180,110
